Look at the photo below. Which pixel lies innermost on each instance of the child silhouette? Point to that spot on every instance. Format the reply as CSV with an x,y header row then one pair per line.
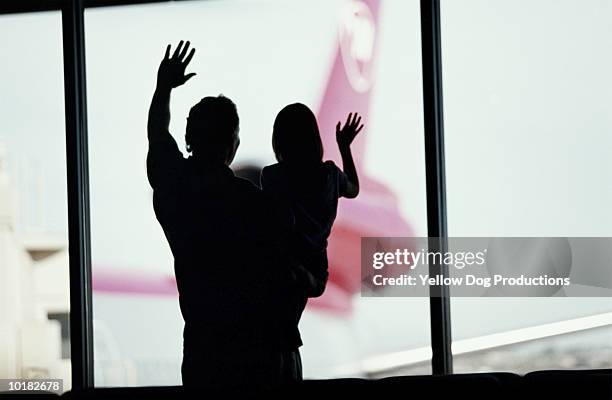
x,y
310,187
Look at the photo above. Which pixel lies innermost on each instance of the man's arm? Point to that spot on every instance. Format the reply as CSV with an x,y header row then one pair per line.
x,y
345,136
170,75
164,156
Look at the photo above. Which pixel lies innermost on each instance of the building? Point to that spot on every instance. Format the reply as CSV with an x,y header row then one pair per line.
x,y
34,295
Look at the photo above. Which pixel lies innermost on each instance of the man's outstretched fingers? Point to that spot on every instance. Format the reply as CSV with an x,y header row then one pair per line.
x,y
189,57
184,52
177,50
167,55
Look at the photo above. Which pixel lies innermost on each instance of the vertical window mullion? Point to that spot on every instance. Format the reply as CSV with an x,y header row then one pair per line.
x,y
439,302
78,194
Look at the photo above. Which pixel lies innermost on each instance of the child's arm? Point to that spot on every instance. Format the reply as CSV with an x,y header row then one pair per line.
x,y
344,137
311,284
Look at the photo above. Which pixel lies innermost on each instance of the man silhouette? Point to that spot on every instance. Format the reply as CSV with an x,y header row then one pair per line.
x,y
226,238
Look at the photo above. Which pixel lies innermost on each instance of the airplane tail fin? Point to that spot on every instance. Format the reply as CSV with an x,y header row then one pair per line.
x,y
351,77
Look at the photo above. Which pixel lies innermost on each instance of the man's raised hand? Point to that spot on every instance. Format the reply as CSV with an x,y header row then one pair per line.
x,y
171,71
346,134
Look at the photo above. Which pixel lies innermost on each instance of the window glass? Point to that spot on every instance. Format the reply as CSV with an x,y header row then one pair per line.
x,y
528,113
34,282
263,55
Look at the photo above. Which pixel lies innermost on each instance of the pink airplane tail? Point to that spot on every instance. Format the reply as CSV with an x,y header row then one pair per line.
x,y
375,212
351,78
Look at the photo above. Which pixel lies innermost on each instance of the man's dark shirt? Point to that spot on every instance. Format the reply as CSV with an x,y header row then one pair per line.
x,y
227,242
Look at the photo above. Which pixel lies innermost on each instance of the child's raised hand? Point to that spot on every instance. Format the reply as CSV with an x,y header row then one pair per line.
x,y
346,134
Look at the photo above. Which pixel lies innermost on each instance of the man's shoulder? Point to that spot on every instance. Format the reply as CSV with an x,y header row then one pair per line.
x,y
246,187
165,164
272,169
261,204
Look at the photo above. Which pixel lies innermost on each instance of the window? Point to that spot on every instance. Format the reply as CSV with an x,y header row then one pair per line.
x,y
527,118
34,283
527,108
263,55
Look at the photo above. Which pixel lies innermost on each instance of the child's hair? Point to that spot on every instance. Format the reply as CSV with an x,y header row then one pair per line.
x,y
295,137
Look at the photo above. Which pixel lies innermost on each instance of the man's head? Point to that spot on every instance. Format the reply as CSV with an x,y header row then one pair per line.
x,y
212,130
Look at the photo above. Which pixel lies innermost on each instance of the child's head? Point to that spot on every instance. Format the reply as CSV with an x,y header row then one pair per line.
x,y
295,137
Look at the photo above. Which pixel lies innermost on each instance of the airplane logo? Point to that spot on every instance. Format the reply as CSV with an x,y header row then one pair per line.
x,y
357,35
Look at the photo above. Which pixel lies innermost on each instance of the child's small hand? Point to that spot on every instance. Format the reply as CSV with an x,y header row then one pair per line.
x,y
345,135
